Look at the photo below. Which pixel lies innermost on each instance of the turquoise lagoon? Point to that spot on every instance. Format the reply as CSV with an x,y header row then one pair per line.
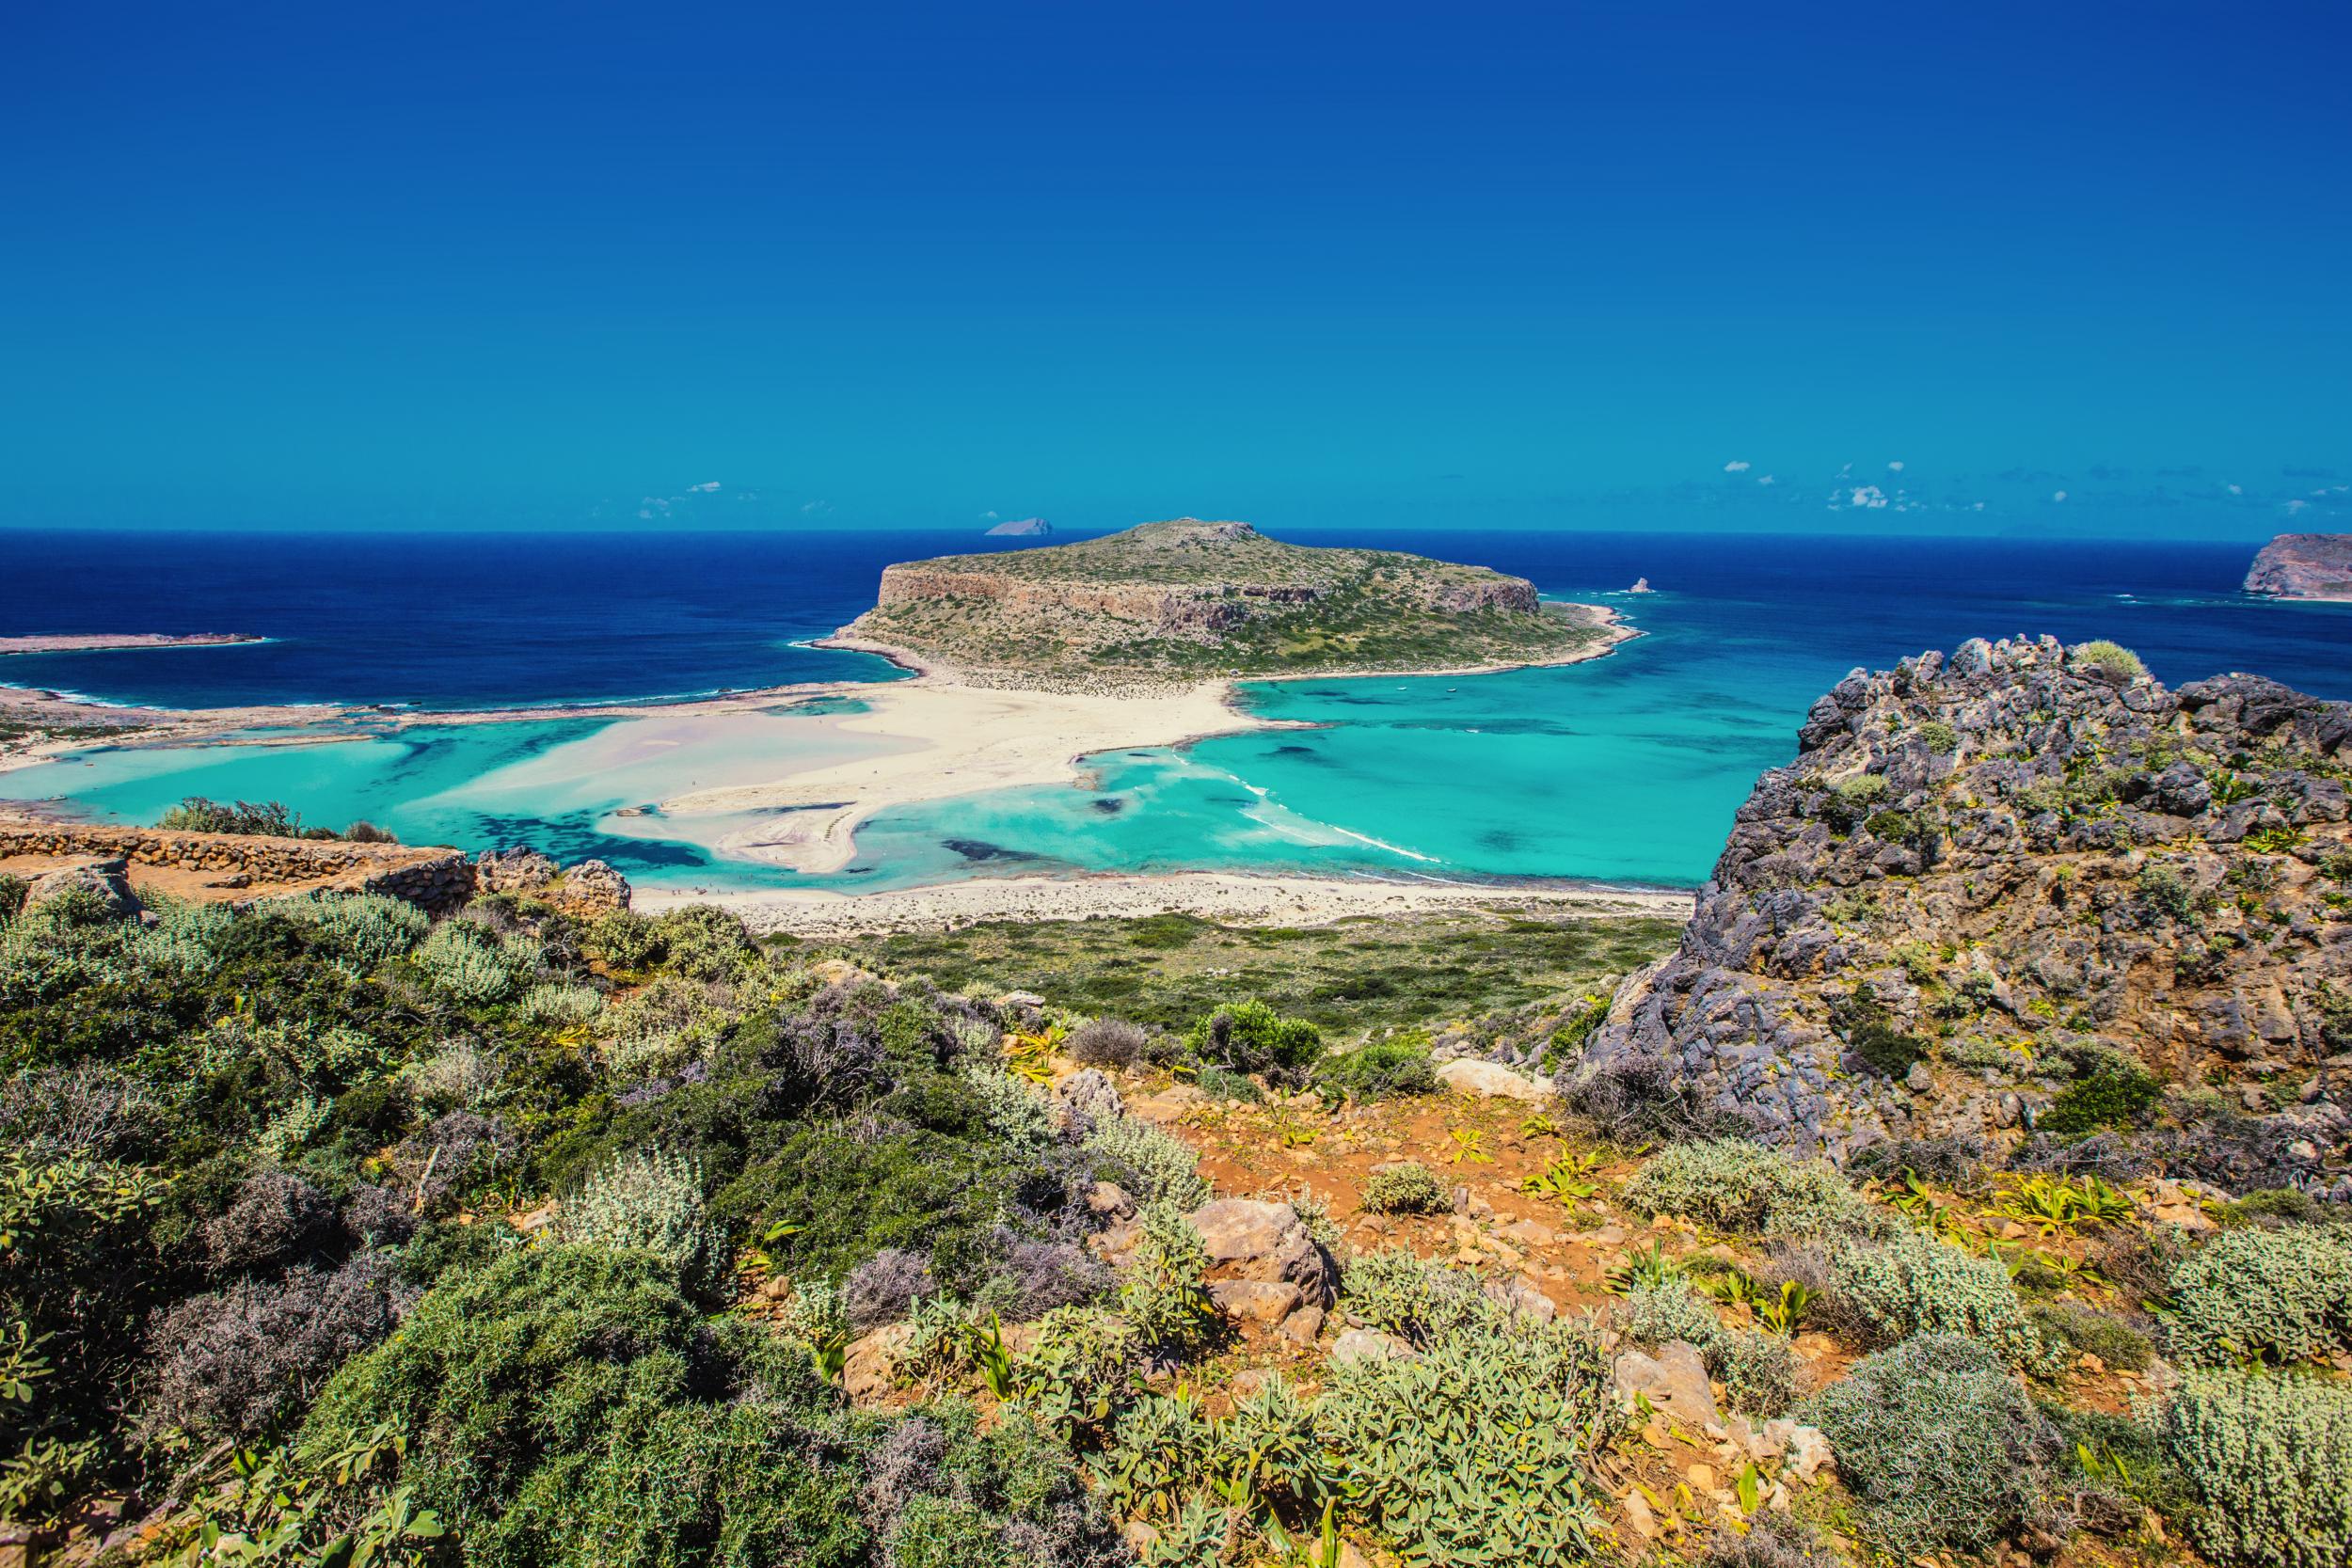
x,y
1622,769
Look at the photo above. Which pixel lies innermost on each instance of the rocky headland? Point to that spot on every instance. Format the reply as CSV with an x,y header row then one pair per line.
x,y
2303,566
1188,600
2024,893
94,642
1021,527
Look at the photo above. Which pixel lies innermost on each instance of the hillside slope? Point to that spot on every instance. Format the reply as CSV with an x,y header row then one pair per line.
x,y
1186,599
2028,890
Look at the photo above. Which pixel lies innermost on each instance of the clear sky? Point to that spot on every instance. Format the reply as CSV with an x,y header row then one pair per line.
x,y
497,264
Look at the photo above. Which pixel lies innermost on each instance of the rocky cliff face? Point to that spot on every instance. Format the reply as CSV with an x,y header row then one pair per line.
x,y
2027,892
2304,566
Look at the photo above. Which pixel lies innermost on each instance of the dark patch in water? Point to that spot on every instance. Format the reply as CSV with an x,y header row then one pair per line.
x,y
1499,838
980,850
1109,805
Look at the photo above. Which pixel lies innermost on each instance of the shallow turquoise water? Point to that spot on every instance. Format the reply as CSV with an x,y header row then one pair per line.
x,y
1626,768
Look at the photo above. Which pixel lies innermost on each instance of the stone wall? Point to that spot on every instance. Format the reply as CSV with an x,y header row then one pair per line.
x,y
437,879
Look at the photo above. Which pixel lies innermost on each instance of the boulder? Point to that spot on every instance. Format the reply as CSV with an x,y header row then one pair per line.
x,y
108,882
1369,1344
1088,1096
1489,1081
1675,1380
1263,1243
1263,1302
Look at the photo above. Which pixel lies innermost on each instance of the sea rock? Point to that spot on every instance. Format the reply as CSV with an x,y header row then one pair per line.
x,y
2014,842
1675,1380
1489,1081
1023,527
2303,566
106,881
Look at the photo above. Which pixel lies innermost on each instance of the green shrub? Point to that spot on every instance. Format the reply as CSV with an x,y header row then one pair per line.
x,y
1474,1453
1731,1184
13,893
1251,1036
2111,658
1406,1189
1223,1084
1940,1443
704,943
2282,1295
1939,735
462,962
2118,1094
622,939
2164,894
368,928
1848,801
1163,1297
1396,1292
1383,1069
559,1005
650,1202
1152,1166
2268,1459
1911,1284
660,1027
2084,1332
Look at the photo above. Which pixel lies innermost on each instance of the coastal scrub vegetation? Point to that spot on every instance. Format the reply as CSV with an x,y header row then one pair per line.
x,y
331,1232
266,818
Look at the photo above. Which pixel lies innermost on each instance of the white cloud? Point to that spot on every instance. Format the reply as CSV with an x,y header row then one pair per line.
x,y
702,489
1896,467
1979,507
815,508
1737,466
1867,496
1766,478
2297,504
2058,495
2237,489
989,516
1845,468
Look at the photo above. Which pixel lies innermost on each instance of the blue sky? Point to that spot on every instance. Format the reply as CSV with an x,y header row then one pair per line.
x,y
488,266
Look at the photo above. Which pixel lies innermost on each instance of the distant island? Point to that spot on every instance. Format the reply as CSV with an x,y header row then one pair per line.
x,y
2304,566
1188,600
1022,528
99,643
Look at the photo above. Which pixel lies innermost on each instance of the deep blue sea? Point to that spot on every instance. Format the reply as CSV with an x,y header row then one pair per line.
x,y
1627,768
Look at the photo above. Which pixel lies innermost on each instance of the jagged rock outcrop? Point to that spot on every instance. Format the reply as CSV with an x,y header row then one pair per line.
x,y
2012,880
587,890
2303,566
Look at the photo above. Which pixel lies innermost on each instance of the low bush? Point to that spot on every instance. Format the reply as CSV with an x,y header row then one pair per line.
x,y
1220,1084
1474,1453
559,1005
1107,1042
1911,1284
2108,658
1251,1036
1940,1443
2282,1295
1162,1294
235,1363
367,927
1404,1189
649,1202
1939,735
1383,1069
459,960
1731,1184
1152,1165
1396,1292
885,1288
273,1219
2118,1094
2084,1332
2268,1459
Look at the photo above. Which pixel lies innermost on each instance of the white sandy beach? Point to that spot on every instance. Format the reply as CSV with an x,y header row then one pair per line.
x,y
1228,897
947,739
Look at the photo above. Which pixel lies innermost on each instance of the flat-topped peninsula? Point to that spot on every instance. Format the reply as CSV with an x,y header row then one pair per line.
x,y
102,642
2304,566
1184,601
